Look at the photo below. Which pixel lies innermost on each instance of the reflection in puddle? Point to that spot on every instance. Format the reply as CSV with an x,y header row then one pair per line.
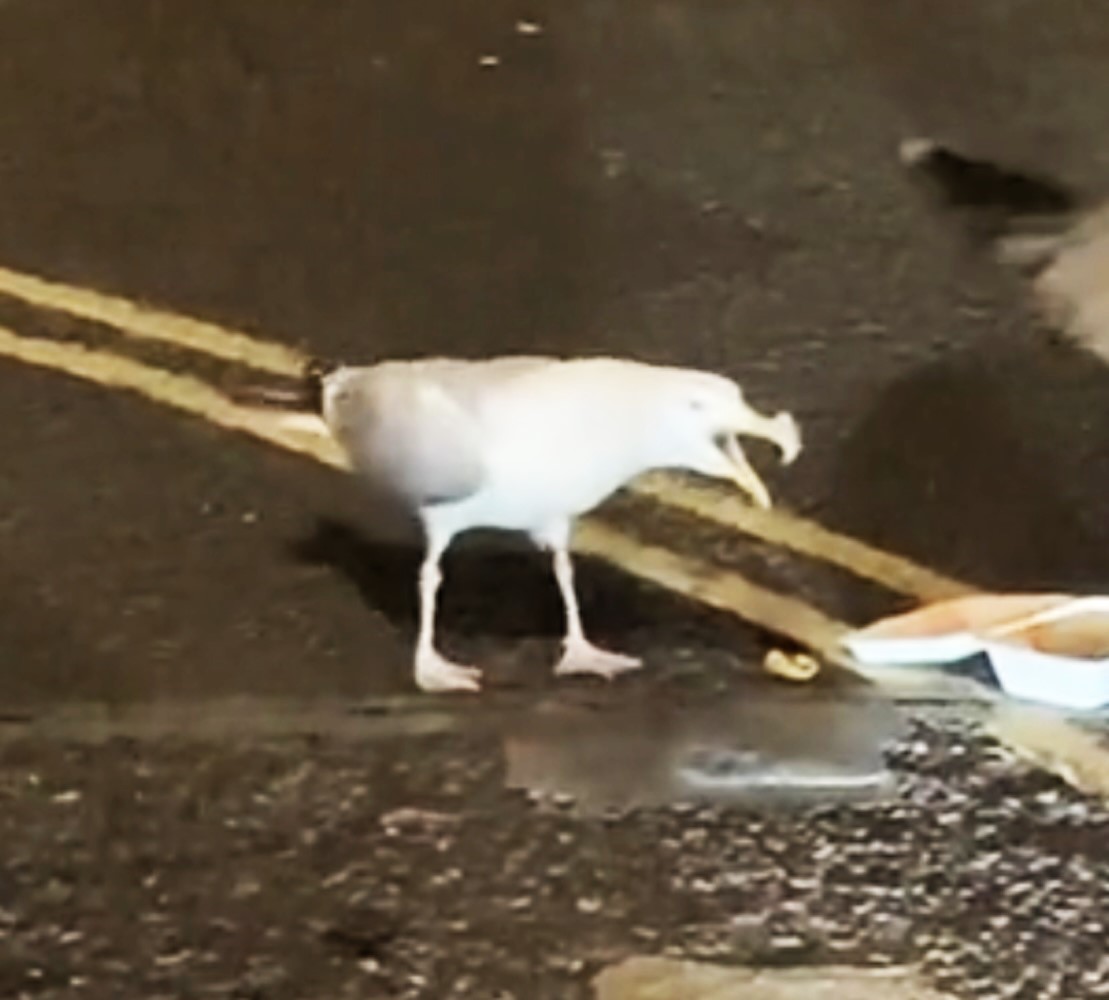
x,y
757,746
729,770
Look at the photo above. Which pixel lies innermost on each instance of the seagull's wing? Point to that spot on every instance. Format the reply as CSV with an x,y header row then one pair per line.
x,y
472,384
407,435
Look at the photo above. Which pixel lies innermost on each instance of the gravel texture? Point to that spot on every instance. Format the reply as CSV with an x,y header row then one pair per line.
x,y
320,868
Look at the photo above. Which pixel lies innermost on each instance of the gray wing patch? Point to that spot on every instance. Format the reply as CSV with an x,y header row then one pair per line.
x,y
407,437
467,383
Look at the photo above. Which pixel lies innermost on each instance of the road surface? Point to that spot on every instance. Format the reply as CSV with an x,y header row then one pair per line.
x,y
708,184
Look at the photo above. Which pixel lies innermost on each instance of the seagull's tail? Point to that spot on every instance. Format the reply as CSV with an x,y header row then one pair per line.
x,y
313,376
304,394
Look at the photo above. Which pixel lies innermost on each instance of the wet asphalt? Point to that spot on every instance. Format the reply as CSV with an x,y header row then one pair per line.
x,y
323,867
690,182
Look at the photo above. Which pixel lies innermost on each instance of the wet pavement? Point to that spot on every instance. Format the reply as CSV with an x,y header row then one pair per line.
x,y
324,867
219,634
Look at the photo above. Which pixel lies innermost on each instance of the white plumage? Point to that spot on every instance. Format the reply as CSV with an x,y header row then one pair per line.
x,y
528,444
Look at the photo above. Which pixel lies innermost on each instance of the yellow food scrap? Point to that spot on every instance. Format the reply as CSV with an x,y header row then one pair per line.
x,y
791,666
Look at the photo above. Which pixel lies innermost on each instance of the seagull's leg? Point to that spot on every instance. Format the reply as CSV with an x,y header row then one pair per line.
x,y
434,672
579,655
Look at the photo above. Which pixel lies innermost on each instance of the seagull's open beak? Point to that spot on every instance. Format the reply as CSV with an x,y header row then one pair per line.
x,y
787,436
780,430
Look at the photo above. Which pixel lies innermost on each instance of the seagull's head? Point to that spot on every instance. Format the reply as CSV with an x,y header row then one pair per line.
x,y
703,419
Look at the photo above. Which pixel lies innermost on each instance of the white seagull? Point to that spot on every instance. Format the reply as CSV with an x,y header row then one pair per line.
x,y
527,444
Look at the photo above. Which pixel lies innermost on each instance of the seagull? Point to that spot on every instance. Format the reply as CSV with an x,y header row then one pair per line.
x,y
527,444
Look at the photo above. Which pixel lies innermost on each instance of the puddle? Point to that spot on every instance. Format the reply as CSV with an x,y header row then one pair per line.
x,y
757,746
761,744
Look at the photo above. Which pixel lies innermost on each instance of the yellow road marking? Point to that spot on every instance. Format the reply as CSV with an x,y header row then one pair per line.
x,y
778,527
723,589
719,588
1043,737
181,392
148,323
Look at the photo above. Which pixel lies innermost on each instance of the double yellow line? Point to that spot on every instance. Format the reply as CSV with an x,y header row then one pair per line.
x,y
693,577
